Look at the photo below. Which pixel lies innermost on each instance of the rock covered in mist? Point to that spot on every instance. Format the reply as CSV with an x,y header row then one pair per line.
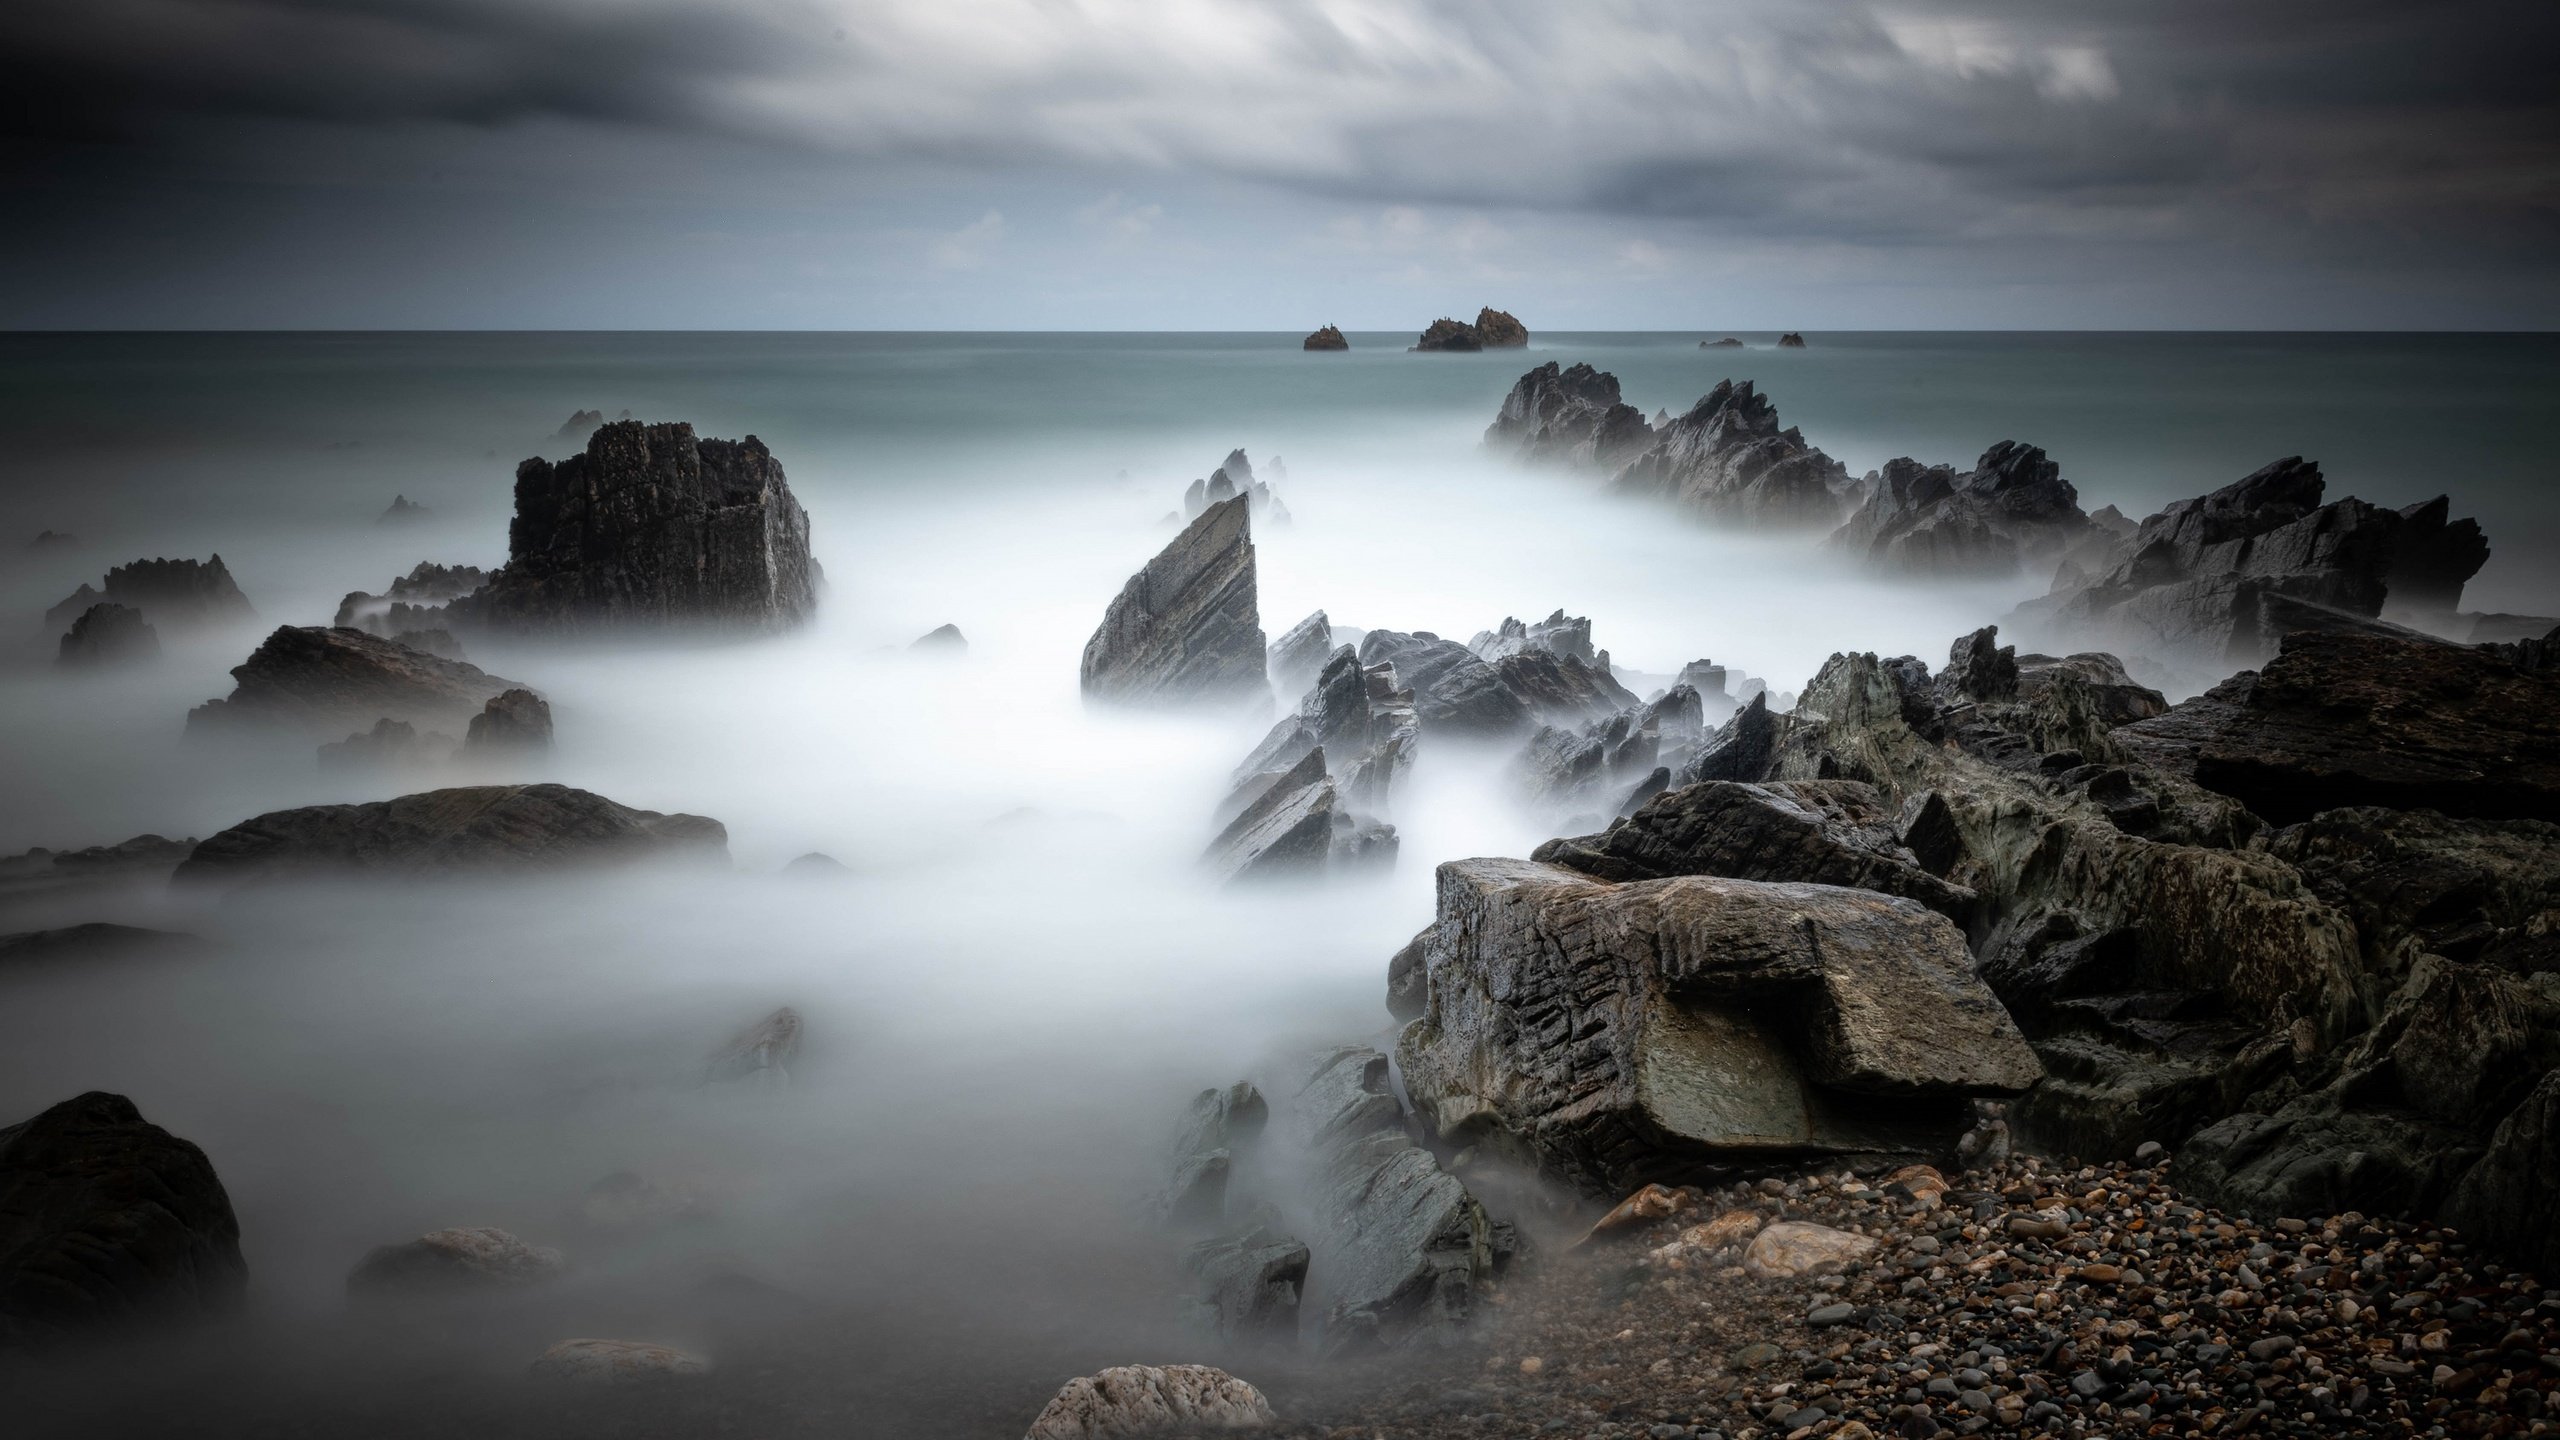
x,y
1791,341
461,1260
651,528
761,1055
107,635
94,940
1185,629
107,1221
941,640
1218,1129
1246,1287
141,859
389,745
1715,1020
1500,330
1328,337
54,540
1298,656
402,511
1727,459
618,1363
329,680
1292,826
1134,1400
1559,634
1453,691
1727,343
412,601
176,594
478,829
2012,513
514,724
1569,415
1445,334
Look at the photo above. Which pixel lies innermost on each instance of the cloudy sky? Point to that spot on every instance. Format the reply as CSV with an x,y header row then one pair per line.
x,y
1273,164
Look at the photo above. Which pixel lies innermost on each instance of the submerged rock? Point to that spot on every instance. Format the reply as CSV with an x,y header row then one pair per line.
x,y
327,681
1186,628
107,635
461,1260
174,594
1327,338
761,1054
482,829
1134,1400
107,1220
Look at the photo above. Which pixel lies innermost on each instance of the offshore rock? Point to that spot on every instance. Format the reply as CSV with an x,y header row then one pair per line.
x,y
1134,1400
651,528
1327,338
1727,343
1571,416
402,511
1728,460
1448,334
515,723
941,640
1185,629
2012,513
107,635
483,829
327,681
178,594
465,1259
1714,1021
1791,341
1500,329
107,1220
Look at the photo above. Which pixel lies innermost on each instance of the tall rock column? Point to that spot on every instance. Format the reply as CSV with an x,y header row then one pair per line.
x,y
1187,628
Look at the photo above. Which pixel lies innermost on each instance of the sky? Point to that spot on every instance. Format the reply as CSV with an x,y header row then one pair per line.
x,y
1279,164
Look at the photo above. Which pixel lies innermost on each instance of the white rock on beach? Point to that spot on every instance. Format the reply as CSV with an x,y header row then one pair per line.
x,y
1138,1399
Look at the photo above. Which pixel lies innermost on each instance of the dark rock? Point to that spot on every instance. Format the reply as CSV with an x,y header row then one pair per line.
x,y
1500,329
942,639
2356,720
1447,334
1978,668
1327,338
2012,513
651,528
107,635
1558,634
434,641
53,540
475,829
1560,689
1246,1287
412,601
325,681
389,745
2170,741
579,425
177,594
1218,1131
1186,628
96,940
477,1258
1728,460
1742,749
1727,343
514,723
1298,656
107,1220
402,511
142,859
1569,415
2506,1197
817,863
1791,341
1293,824
1454,692
2420,882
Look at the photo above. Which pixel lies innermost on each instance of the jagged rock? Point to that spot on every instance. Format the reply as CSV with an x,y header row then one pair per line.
x,y
389,745
1791,341
402,511
1293,825
176,594
1246,1287
1500,329
2119,699
493,829
1727,343
760,1055
1560,689
107,635
1298,656
2169,741
1569,415
1401,1248
580,424
2012,513
412,600
617,1363
1728,460
1218,1126
1327,338
1448,334
1558,634
465,1259
2506,1197
326,681
942,639
1831,832
513,723
650,528
107,1220
1185,628
2419,882
2357,720
1741,749
1454,692
1714,1020
1979,668
95,940
1131,1400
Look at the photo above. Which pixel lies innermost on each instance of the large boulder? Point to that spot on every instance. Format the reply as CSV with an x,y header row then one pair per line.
x,y
1568,415
327,681
651,528
479,829
107,1220
1729,460
1246,1287
107,634
174,594
1713,1022
1186,628
461,1260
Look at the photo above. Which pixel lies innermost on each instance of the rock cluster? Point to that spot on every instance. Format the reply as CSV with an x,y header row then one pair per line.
x,y
513,725
413,602
480,829
1569,415
328,680
105,635
2011,514
1186,628
1327,338
1492,330
1234,476
1728,459
177,594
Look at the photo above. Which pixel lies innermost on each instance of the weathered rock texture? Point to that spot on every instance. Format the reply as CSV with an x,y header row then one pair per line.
x,y
651,528
1571,416
1500,329
1327,338
107,635
175,594
514,724
1715,1022
325,682
1728,459
1448,334
1299,655
483,829
1134,1400
107,1220
1186,629
2012,513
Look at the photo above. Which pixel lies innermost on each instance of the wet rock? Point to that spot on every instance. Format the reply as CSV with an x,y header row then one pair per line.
x,y
617,1363
1500,329
107,635
478,829
467,1259
1130,1400
515,723
106,1221
650,528
1569,415
173,595
1220,1128
761,1056
1246,1287
942,640
1448,334
1185,629
1714,1019
325,682
1326,338
1727,459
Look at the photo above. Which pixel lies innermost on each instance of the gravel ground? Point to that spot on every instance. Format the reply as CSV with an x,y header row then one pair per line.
x,y
2023,1299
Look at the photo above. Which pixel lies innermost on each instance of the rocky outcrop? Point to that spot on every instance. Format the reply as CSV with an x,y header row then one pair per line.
x,y
1728,460
402,511
142,860
1727,343
412,601
1448,334
1568,416
651,528
1185,629
1561,689
1500,330
1558,634
760,1056
480,829
1218,1129
941,640
173,594
389,745
1298,656
1715,1022
1327,338
328,681
581,424
2118,698
514,724
465,1259
1133,1400
1453,691
108,1221
2011,514
1246,1287
107,635
1294,824
1791,341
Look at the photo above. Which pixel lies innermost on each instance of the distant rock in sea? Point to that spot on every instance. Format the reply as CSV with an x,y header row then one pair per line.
x,y
326,681
1727,343
172,594
493,830
1500,329
54,540
403,511
1186,628
1328,338
1448,334
106,635
1791,341
941,640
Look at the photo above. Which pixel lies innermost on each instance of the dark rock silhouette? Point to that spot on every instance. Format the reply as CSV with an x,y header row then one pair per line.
x,y
107,1221
1453,690
326,681
1569,415
1791,341
105,635
514,724
942,640
92,941
481,829
1447,334
1500,329
173,594
54,540
1728,459
412,601
1727,343
581,424
1185,629
402,511
1327,338
2012,513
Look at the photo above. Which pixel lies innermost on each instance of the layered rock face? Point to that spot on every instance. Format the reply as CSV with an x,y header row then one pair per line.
x,y
328,681
651,528
1715,1022
1299,655
1185,629
2012,513
1729,460
1571,416
179,594
1310,797
1327,338
1453,690
107,635
479,829
107,1220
